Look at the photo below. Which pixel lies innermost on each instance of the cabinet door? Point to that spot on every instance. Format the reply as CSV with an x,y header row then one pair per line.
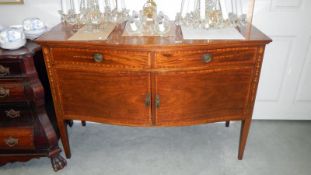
x,y
186,98
108,97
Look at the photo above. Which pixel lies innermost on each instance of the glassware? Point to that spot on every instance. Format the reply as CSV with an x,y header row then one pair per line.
x,y
214,13
83,12
93,15
133,25
206,14
150,10
162,25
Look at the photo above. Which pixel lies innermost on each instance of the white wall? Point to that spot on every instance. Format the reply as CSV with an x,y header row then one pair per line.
x,y
44,9
285,85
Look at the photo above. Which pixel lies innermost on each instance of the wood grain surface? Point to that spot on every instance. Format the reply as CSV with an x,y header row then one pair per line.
x,y
187,81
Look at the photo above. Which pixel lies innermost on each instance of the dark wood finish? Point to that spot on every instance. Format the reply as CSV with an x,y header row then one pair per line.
x,y
17,138
153,81
25,128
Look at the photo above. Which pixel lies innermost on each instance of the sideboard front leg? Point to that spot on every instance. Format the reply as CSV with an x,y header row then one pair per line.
x,y
62,125
245,125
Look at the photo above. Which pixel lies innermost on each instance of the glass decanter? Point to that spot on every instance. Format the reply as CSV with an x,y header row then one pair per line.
x,y
150,10
93,15
214,13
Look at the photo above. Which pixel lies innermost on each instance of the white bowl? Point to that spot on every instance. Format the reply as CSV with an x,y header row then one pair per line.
x,y
14,45
31,24
33,34
11,35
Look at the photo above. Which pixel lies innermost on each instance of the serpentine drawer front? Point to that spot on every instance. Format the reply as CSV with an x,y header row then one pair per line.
x,y
153,81
103,58
11,138
206,58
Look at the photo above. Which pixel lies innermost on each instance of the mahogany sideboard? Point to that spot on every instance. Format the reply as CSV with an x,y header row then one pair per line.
x,y
25,128
153,81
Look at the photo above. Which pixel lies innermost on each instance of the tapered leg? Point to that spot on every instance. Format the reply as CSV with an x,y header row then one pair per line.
x,y
245,125
227,123
62,125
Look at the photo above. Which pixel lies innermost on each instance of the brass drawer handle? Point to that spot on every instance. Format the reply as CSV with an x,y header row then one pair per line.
x,y
98,57
13,114
4,92
4,71
207,58
11,142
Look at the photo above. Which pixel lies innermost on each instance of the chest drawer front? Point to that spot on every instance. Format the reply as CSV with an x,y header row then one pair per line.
x,y
17,138
116,98
14,113
103,58
13,90
205,58
11,68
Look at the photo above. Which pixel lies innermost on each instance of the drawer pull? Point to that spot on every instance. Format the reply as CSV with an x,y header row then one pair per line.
x,y
98,57
13,114
207,58
4,92
11,142
4,71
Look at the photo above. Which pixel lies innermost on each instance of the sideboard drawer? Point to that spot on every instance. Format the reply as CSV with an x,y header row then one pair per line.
x,y
15,113
104,58
12,90
205,58
17,138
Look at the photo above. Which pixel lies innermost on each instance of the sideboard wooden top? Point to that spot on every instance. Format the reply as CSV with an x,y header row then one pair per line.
x,y
62,32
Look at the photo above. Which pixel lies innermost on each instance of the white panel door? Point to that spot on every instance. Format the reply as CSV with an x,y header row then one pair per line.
x,y
285,85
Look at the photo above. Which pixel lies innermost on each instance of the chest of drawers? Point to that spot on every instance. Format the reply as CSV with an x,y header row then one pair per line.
x,y
25,128
153,81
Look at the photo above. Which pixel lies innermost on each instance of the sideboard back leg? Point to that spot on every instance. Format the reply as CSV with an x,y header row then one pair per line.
x,y
62,125
69,123
227,123
83,123
245,125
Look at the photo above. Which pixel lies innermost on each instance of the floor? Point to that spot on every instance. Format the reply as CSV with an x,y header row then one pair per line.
x,y
274,147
